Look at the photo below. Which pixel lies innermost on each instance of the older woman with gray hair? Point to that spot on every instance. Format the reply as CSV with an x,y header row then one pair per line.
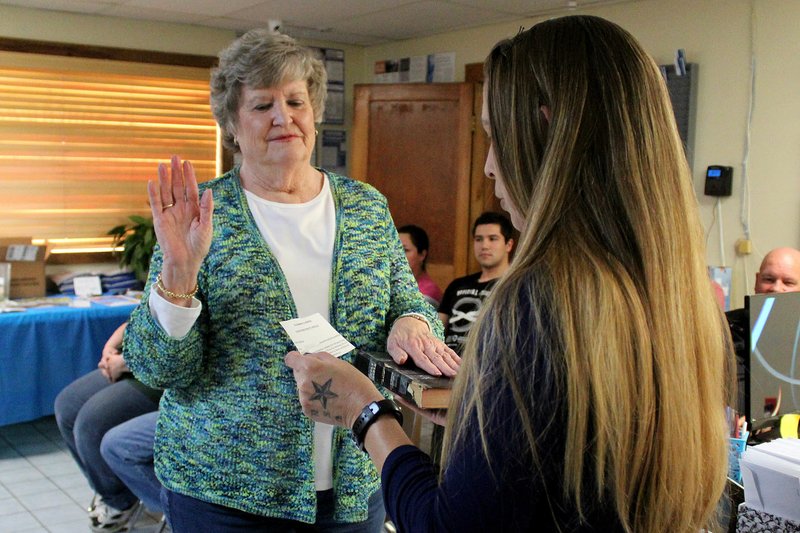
x,y
271,240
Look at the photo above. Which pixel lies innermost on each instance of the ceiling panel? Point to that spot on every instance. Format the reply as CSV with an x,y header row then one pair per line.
x,y
357,22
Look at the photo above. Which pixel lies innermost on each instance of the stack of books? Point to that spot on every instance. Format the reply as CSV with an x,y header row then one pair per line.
x,y
407,380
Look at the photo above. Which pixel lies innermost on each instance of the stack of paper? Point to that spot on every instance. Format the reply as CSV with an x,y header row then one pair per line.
x,y
771,474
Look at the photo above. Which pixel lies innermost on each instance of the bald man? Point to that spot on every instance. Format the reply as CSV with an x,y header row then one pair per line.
x,y
779,272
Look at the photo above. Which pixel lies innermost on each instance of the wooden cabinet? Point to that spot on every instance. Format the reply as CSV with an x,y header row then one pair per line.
x,y
422,146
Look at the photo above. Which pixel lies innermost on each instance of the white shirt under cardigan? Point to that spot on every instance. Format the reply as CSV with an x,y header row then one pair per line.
x,y
300,237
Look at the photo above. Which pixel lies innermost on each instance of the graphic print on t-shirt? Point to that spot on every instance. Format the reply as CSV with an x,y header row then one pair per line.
x,y
466,307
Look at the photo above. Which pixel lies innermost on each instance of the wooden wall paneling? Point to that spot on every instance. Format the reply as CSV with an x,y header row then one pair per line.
x,y
481,188
413,142
473,72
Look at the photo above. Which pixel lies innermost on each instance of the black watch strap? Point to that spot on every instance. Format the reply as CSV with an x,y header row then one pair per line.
x,y
370,414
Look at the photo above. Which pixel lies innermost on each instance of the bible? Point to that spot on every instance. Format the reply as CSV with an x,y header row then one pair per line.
x,y
407,380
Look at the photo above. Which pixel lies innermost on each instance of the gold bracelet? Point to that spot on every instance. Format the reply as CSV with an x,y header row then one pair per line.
x,y
414,315
177,296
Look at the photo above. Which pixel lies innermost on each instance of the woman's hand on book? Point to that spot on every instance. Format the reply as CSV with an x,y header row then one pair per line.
x,y
330,390
411,337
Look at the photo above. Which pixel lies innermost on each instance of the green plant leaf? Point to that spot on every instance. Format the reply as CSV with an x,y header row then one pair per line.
x,y
137,240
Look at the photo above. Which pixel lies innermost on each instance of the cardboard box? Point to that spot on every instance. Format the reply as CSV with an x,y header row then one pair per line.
x,y
27,266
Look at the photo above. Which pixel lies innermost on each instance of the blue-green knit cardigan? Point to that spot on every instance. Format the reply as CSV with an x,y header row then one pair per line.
x,y
231,430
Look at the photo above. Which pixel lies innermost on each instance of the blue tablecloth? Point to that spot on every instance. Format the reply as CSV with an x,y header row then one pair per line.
x,y
43,350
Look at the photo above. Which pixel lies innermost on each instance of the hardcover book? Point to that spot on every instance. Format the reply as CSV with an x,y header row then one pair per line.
x,y
407,380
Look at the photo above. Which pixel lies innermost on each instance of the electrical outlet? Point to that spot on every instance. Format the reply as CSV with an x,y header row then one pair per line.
x,y
744,247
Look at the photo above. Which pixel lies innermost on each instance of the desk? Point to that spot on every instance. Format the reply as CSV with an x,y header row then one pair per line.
x,y
42,350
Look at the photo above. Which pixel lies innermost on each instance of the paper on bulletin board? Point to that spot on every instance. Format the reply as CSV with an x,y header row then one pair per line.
x,y
442,67
431,68
334,105
418,69
722,275
333,58
334,64
333,155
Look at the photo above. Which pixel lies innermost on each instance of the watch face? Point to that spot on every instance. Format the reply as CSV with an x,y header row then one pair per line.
x,y
374,407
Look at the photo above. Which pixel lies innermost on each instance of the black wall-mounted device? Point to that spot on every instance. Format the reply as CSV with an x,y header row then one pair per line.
x,y
718,180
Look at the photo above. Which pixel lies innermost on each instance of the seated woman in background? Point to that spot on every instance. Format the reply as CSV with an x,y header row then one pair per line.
x,y
593,385
85,411
416,244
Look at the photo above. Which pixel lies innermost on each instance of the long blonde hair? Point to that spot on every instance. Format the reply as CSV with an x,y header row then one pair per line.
x,y
610,274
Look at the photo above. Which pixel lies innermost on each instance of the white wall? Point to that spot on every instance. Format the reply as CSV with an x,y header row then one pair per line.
x,y
71,28
775,148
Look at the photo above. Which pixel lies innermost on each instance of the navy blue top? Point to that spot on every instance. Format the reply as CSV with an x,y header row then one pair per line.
x,y
510,491
470,498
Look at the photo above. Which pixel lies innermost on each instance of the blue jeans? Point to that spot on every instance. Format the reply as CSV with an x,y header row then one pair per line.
x,y
128,451
85,410
190,515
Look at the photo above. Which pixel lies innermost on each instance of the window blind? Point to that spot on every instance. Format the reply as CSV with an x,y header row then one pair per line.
x,y
80,138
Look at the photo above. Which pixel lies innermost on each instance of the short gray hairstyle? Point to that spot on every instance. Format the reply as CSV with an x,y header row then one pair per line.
x,y
262,58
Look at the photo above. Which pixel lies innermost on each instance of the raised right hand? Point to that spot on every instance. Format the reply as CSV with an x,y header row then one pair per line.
x,y
182,222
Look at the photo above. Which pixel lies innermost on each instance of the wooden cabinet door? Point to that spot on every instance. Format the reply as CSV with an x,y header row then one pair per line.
x,y
482,196
414,143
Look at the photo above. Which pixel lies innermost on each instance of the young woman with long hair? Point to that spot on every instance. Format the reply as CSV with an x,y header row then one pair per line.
x,y
592,391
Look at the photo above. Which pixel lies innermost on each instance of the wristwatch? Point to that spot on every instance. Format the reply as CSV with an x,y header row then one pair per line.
x,y
370,414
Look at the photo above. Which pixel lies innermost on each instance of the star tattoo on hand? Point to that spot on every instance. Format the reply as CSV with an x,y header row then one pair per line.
x,y
323,393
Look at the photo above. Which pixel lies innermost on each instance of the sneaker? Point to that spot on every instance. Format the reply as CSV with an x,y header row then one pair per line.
x,y
93,505
107,519
162,526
